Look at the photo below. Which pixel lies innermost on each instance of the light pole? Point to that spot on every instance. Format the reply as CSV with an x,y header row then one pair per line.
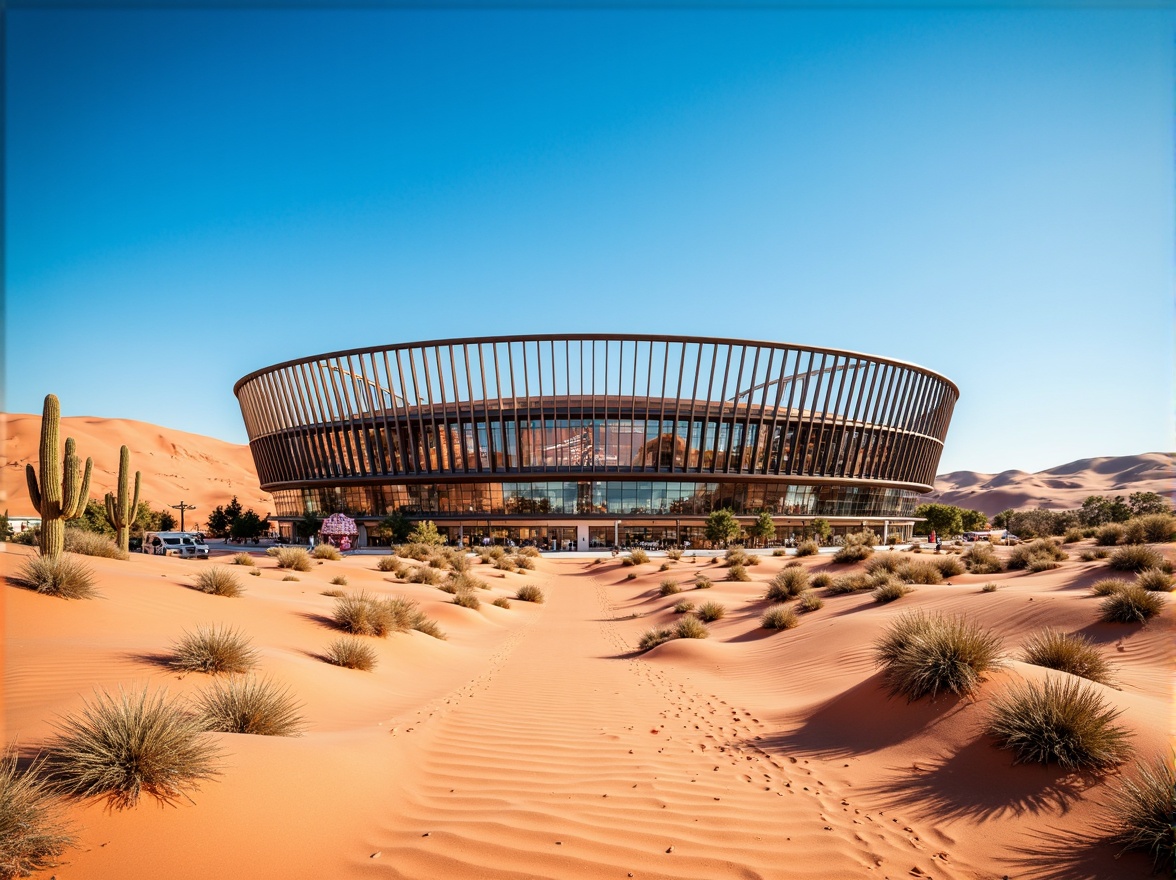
x,y
181,507
617,534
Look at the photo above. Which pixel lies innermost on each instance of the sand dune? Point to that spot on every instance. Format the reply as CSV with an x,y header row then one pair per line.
x,y
1059,488
176,466
535,742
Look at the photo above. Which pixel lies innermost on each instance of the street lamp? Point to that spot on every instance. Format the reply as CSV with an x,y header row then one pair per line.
x,y
181,507
617,534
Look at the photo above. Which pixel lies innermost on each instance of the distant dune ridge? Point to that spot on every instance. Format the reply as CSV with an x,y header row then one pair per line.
x,y
1059,488
176,466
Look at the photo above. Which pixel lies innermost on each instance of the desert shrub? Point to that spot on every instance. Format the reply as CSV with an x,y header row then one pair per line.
x,y
1131,604
333,594
856,583
702,582
219,581
273,552
674,554
524,562
1107,586
683,606
249,705
988,588
949,566
65,577
243,559
631,576
363,614
1137,558
925,655
981,558
418,551
1072,536
505,563
808,548
121,746
887,562
821,580
466,581
422,574
1141,810
86,543
388,563
530,593
809,601
289,577
351,653
639,556
1109,535
1090,555
787,584
1158,528
779,617
438,559
339,580
1037,555
32,831
528,551
1074,654
294,558
690,627
668,587
324,551
779,551
709,612
735,556
467,599
1066,722
737,573
890,591
214,650
920,571
253,572
857,546
1154,580
501,602
752,559
654,637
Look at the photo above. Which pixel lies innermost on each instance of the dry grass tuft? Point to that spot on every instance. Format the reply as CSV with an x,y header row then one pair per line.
x,y
683,606
339,581
709,612
779,617
501,602
949,566
1138,557
668,587
988,588
638,556
654,637
920,571
787,584
121,746
808,548
250,705
690,627
981,558
214,650
1063,722
363,614
1092,555
1141,810
219,581
890,591
351,653
390,564
243,559
466,599
525,563
1039,555
925,655
1107,586
809,601
702,582
325,551
530,593
1154,580
1131,604
1109,535
290,577
86,543
32,831
1074,654
64,577
294,558
423,574
674,554
737,573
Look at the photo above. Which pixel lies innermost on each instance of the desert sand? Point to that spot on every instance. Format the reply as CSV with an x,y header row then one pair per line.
x,y
1064,487
176,466
536,742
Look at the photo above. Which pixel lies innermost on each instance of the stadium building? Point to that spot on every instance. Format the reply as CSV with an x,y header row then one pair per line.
x,y
576,441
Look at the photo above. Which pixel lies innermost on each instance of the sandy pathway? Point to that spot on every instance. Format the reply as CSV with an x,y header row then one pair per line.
x,y
571,757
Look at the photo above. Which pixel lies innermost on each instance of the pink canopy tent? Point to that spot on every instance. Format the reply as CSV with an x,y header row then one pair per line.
x,y
338,524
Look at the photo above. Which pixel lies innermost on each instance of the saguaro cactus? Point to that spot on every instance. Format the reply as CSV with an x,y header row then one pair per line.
x,y
62,491
119,514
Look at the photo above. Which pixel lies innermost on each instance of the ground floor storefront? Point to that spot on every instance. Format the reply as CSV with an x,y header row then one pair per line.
x,y
595,533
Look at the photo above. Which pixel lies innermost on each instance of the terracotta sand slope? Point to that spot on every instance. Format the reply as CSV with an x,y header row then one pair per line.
x,y
535,743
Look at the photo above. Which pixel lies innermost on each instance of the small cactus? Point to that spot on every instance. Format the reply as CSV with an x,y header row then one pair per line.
x,y
118,513
63,490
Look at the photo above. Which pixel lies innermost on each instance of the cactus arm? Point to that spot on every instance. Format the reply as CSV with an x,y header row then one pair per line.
x,y
70,479
34,489
84,492
111,515
134,510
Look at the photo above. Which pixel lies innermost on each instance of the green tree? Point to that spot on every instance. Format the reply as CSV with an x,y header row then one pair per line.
x,y
764,528
219,522
819,529
721,526
248,526
972,520
93,519
1145,503
1001,520
1098,510
425,533
308,525
5,527
945,519
395,527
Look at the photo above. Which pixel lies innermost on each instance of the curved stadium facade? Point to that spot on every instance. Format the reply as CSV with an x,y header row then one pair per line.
x,y
574,441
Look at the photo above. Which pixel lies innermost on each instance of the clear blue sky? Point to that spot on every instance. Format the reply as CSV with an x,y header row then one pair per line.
x,y
192,195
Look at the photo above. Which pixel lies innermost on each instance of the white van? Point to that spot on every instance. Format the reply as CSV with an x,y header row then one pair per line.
x,y
186,545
